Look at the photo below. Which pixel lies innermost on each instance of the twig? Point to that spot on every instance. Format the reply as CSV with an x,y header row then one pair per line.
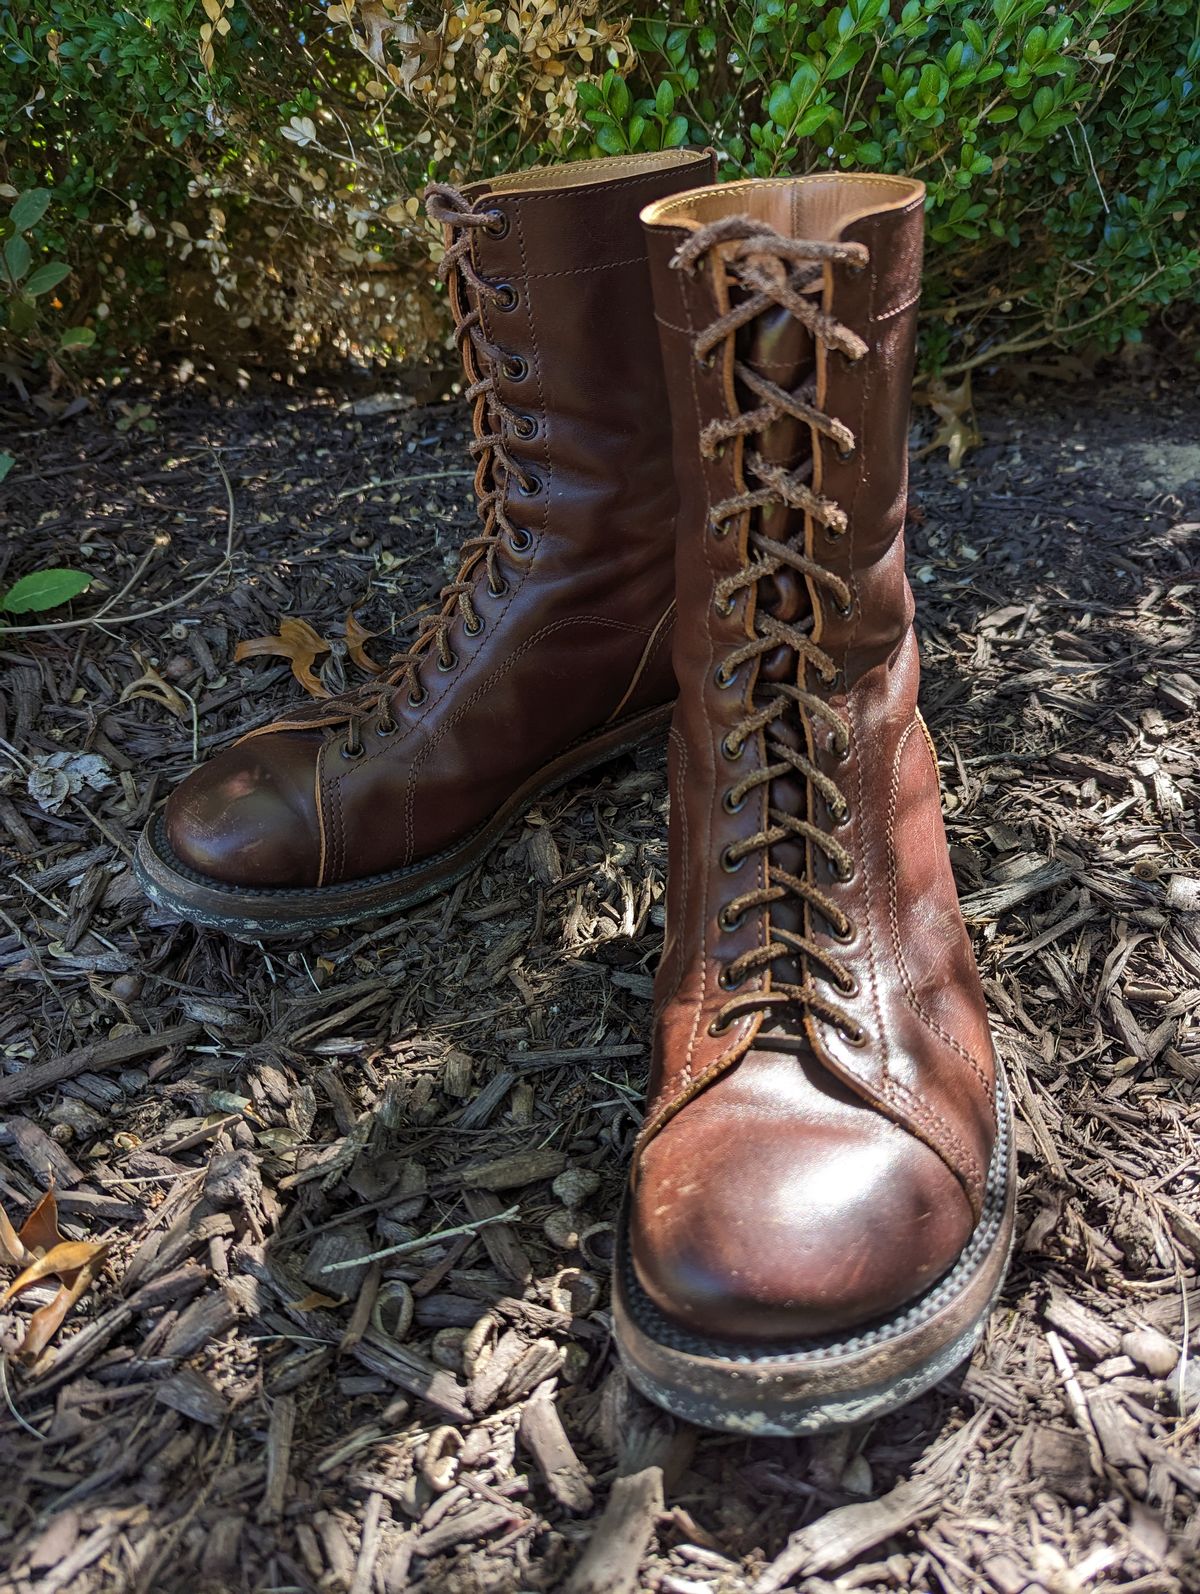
x,y
369,1544
425,1241
1076,1402
8,1401
1019,345
401,481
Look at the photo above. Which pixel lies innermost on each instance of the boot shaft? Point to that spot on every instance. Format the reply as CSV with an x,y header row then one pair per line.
x,y
811,909
868,394
568,313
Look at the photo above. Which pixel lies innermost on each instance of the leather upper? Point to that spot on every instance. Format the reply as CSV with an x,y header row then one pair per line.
x,y
576,633
799,1176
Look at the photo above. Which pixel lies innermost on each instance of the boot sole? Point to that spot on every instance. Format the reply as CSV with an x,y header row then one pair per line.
x,y
257,914
827,1383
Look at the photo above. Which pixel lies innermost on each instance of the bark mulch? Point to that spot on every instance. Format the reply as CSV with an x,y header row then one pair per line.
x,y
350,1332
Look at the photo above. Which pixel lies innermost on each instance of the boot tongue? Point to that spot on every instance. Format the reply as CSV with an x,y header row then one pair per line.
x,y
780,349
776,346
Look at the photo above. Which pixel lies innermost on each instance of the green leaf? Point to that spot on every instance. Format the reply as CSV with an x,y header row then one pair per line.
x,y
618,99
29,208
18,257
677,132
664,100
22,314
815,117
610,139
47,277
781,106
44,589
637,126
7,461
84,337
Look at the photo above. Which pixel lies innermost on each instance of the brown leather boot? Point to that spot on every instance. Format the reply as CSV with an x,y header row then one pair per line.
x,y
551,652
821,1205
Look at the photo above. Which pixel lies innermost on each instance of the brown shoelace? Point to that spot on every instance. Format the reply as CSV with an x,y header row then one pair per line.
x,y
772,270
496,468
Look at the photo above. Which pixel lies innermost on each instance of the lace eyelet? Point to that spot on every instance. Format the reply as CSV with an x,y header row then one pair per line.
x,y
847,988
506,297
729,863
446,665
724,677
417,696
718,529
473,630
731,747
386,727
840,816
730,921
843,873
731,807
525,426
499,590
844,611
723,606
530,487
727,983
853,1034
514,368
716,1027
845,936
845,454
350,751
496,225
839,750
832,534
520,540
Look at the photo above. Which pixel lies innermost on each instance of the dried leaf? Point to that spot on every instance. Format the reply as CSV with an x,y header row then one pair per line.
x,y
12,1252
76,1264
297,642
356,638
48,1319
68,1257
314,1301
151,685
54,778
39,1232
957,434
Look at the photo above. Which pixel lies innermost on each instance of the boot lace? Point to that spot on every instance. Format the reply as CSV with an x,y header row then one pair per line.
x,y
496,467
772,270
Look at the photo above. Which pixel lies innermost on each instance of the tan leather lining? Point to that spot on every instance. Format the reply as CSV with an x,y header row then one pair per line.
x,y
819,207
578,174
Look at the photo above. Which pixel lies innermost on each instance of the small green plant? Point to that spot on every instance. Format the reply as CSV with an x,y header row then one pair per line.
x,y
44,589
26,279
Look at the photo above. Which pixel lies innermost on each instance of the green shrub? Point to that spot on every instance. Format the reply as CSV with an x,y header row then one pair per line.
x,y
244,178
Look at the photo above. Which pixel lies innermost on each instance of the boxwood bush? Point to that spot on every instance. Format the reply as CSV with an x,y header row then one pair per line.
x,y
243,177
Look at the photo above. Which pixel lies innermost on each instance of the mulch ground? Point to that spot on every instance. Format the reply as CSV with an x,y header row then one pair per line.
x,y
230,1408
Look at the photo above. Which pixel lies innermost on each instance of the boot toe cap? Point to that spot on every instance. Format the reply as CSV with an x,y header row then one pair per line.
x,y
747,1227
249,817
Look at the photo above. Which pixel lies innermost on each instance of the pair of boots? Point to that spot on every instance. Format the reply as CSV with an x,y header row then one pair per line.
x,y
821,1203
